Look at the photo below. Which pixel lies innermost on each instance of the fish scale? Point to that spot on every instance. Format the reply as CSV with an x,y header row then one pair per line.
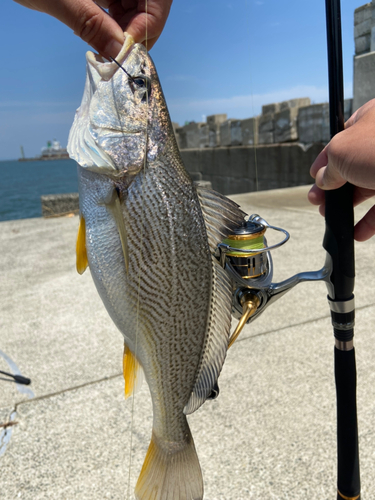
x,y
167,309
149,243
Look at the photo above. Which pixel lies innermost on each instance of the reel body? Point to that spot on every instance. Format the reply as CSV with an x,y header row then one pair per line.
x,y
247,259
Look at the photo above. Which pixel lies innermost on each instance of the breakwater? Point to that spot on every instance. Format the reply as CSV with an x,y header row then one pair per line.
x,y
241,169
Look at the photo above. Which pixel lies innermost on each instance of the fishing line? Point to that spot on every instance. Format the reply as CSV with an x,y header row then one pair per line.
x,y
255,120
139,270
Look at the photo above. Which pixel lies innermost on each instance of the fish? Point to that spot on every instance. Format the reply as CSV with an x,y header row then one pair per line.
x,y
149,235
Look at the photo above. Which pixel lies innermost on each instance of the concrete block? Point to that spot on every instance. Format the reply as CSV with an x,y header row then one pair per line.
x,y
214,137
266,129
181,138
235,133
177,133
295,103
313,124
189,135
204,136
225,133
348,106
372,42
230,133
195,176
57,205
249,128
363,79
362,13
270,108
362,44
363,28
213,120
192,135
204,184
286,128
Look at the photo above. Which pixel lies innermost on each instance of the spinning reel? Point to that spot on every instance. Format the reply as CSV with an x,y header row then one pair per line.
x,y
248,261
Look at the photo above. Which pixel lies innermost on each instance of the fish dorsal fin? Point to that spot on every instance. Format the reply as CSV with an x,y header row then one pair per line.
x,y
221,215
81,254
216,343
133,372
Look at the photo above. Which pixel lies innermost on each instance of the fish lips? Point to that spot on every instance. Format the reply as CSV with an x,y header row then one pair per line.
x,y
106,69
106,133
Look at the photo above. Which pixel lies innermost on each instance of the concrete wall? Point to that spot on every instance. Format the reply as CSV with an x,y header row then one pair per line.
x,y
240,169
363,79
364,59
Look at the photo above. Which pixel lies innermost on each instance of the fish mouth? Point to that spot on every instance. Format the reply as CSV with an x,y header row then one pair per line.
x,y
105,68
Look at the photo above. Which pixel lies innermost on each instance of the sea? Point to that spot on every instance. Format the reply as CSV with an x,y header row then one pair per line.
x,y
22,183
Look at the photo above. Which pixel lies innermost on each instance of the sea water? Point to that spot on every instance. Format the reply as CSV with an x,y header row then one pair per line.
x,y
23,183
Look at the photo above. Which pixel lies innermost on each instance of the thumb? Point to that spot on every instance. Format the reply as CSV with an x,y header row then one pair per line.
x,y
328,177
87,20
96,27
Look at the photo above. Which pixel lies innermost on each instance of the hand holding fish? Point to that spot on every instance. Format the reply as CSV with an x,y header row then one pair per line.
x,y
349,156
105,33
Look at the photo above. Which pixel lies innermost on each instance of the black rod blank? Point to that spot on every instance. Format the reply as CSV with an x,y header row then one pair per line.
x,y
339,244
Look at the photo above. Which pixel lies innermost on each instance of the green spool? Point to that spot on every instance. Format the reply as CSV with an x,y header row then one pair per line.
x,y
252,243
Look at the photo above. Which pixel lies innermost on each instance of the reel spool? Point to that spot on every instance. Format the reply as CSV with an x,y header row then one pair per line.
x,y
247,264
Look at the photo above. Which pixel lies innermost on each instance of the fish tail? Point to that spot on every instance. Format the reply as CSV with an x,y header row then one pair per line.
x,y
170,472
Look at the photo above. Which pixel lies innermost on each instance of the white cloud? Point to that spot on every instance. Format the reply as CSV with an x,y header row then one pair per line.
x,y
244,106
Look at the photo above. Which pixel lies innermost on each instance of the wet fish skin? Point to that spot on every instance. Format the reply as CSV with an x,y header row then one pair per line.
x,y
168,296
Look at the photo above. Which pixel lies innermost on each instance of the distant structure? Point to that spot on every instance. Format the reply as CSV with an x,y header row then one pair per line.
x,y
53,151
296,120
290,121
364,59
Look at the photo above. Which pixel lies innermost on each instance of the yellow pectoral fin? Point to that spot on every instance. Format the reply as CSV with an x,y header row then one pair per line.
x,y
133,373
81,262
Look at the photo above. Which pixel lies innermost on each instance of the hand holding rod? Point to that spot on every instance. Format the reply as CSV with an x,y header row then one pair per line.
x,y
339,244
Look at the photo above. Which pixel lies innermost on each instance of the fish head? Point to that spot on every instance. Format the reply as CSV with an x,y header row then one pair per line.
x,y
123,122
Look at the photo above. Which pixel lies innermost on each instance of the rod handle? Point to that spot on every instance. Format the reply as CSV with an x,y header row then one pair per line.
x,y
348,480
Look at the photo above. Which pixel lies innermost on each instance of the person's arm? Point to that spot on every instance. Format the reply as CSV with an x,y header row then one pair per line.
x,y
105,32
349,156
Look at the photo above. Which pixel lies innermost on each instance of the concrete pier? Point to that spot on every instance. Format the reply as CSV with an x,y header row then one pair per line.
x,y
270,434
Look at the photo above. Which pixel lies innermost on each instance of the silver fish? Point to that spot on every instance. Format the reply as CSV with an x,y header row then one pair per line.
x,y
148,235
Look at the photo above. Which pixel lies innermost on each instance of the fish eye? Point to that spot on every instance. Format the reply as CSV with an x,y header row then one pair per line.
x,y
142,82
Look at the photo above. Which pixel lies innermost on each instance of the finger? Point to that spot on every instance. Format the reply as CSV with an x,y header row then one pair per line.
x,y
142,25
320,161
362,194
316,195
329,178
365,228
88,21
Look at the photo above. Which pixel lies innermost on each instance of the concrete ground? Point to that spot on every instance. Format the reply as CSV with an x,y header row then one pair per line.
x,y
269,435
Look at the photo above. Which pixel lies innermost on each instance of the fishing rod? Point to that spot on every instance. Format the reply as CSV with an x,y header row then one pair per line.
x,y
247,259
339,244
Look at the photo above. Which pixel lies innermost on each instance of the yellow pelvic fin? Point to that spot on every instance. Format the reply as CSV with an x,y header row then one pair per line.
x,y
133,373
81,254
115,208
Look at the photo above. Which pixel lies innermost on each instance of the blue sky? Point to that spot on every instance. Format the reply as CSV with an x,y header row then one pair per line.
x,y
214,56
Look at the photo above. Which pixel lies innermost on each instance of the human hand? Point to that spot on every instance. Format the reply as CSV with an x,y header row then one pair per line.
x,y
349,156
105,32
